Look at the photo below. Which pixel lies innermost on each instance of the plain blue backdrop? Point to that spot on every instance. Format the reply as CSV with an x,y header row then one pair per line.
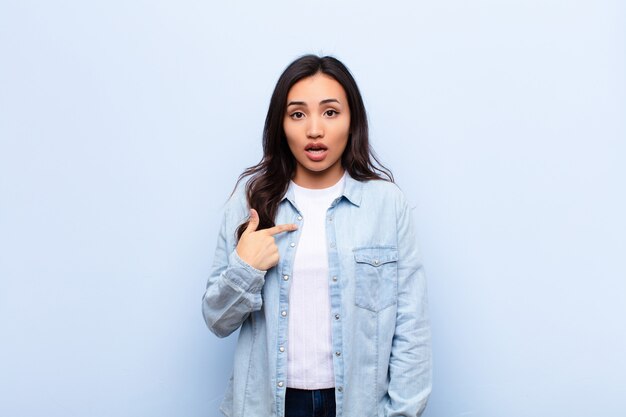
x,y
124,124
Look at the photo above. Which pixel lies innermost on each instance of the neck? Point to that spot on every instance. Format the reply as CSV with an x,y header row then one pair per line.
x,y
318,180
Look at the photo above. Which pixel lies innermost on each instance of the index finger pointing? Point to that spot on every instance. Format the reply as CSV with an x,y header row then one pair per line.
x,y
280,228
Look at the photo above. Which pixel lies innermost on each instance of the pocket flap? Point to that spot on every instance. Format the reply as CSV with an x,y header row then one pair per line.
x,y
376,256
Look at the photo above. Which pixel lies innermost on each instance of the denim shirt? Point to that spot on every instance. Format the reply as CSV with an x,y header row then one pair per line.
x,y
380,327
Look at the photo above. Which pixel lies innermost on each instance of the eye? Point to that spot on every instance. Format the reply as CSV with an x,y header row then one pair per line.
x,y
297,115
331,112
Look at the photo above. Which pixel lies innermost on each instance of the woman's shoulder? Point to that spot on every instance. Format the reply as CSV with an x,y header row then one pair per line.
x,y
382,188
237,203
379,193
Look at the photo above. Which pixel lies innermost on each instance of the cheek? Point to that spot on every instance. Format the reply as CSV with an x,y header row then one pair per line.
x,y
292,130
345,139
289,134
346,133
346,127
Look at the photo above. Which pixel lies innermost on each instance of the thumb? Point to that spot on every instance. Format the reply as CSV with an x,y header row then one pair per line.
x,y
253,222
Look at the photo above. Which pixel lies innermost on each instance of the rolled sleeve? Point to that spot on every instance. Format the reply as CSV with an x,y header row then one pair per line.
x,y
233,289
243,275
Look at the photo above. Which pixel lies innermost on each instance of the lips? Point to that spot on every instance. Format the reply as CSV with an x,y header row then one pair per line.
x,y
315,147
315,151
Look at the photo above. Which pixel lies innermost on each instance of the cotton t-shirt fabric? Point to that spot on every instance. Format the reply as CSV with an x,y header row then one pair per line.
x,y
309,346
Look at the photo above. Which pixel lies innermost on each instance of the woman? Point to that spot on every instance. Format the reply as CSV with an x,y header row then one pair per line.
x,y
317,263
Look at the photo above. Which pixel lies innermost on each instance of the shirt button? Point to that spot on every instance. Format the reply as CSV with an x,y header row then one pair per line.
x,y
292,244
332,244
376,262
340,389
286,277
299,217
282,348
335,279
338,353
280,383
283,313
330,219
336,316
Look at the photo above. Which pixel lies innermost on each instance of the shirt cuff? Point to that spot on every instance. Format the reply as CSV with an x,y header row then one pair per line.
x,y
244,275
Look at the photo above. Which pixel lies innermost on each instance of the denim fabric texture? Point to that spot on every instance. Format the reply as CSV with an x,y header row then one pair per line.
x,y
380,327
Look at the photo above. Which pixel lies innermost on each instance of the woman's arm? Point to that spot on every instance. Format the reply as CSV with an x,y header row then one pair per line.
x,y
238,273
233,289
410,362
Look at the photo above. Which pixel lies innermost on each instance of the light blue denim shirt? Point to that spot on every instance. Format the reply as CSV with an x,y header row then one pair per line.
x,y
380,327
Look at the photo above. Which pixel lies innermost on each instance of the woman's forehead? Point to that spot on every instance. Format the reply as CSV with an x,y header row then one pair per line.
x,y
316,88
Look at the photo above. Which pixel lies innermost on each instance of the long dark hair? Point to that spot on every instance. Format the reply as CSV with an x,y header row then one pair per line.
x,y
270,177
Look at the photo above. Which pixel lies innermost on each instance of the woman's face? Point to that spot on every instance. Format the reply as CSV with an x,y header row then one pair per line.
x,y
317,125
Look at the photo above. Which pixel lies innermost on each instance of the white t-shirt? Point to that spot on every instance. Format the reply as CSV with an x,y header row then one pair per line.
x,y
309,352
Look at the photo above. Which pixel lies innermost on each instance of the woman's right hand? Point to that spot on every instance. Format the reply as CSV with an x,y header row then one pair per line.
x,y
257,248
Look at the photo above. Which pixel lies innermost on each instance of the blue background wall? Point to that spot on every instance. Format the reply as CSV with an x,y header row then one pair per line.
x,y
124,124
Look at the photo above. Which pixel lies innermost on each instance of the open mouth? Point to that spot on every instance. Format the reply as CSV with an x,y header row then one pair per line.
x,y
315,148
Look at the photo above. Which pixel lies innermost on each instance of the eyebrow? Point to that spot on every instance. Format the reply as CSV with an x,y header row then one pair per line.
x,y
302,103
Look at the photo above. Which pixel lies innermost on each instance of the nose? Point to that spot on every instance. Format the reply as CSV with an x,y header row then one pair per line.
x,y
315,128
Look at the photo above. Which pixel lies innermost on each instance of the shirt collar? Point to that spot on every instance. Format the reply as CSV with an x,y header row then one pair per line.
x,y
352,191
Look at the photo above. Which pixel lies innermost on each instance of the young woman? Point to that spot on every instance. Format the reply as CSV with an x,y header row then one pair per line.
x,y
317,264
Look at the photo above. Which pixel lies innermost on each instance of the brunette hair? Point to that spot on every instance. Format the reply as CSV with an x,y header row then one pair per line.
x,y
269,179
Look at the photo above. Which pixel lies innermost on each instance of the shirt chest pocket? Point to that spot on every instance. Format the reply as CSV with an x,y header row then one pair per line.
x,y
376,283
